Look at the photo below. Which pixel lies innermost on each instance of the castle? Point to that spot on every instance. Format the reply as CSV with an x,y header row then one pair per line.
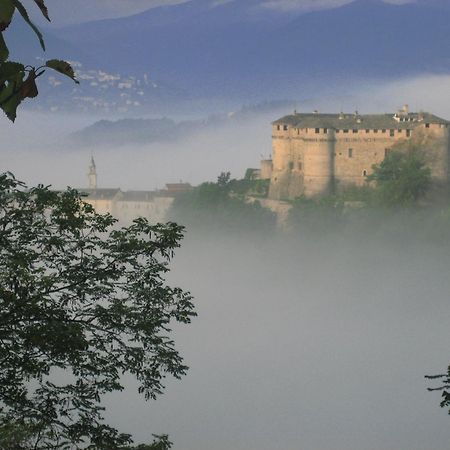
x,y
315,154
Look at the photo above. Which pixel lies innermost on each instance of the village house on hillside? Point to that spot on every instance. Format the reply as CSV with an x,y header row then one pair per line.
x,y
316,153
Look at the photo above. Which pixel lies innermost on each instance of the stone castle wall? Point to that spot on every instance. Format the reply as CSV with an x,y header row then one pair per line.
x,y
313,161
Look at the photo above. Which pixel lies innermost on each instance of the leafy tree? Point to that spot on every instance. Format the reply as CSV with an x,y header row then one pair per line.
x,y
222,206
223,179
401,179
316,215
161,443
82,302
17,80
444,388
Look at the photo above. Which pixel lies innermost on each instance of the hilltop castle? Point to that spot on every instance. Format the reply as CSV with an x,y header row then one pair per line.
x,y
314,154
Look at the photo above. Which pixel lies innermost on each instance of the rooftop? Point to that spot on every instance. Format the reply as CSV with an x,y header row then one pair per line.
x,y
399,120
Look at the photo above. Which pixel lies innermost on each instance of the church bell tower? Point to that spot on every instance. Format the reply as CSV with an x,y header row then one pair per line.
x,y
92,175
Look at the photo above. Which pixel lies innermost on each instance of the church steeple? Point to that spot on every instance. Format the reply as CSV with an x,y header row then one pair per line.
x,y
92,174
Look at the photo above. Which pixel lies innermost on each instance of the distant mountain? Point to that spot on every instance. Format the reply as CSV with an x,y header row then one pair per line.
x,y
114,133
239,48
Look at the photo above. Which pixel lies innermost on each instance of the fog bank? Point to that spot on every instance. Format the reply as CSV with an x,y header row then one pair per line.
x,y
302,344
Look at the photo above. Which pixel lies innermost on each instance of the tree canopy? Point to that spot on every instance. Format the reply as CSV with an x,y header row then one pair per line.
x,y
402,178
444,379
224,206
82,302
18,80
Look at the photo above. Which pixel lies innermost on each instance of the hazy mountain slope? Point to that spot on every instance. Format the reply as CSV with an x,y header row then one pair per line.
x,y
113,133
239,48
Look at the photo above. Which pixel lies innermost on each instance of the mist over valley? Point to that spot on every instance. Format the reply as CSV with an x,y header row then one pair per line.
x,y
314,331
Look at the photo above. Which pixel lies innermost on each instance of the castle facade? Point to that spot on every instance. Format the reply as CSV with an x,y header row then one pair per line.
x,y
315,154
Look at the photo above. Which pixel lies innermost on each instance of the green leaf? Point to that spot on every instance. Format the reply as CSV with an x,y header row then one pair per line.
x,y
6,13
24,14
43,8
8,69
11,71
10,107
62,67
11,84
10,99
4,52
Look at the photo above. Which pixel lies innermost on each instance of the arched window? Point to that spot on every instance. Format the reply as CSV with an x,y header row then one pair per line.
x,y
364,173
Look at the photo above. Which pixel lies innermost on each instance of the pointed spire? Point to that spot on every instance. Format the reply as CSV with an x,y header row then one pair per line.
x,y
92,174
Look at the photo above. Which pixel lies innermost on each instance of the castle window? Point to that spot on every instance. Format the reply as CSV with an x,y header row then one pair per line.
x,y
278,127
298,130
345,131
408,133
427,125
400,131
364,173
317,130
285,127
375,131
290,165
383,131
367,131
338,131
355,131
350,153
325,130
391,133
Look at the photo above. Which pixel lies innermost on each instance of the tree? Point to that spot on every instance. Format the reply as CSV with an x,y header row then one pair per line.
x,y
401,179
17,80
222,206
444,388
82,302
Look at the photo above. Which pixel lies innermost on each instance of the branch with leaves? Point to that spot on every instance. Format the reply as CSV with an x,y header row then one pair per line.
x,y
444,388
18,81
82,303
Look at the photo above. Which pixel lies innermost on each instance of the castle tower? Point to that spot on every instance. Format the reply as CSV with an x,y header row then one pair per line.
x,y
92,175
319,163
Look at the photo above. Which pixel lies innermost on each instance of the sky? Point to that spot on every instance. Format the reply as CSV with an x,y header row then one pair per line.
x,y
64,12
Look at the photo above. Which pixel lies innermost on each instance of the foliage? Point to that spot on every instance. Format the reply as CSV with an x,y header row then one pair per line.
x,y
444,388
14,437
222,205
316,215
161,443
17,80
82,302
353,193
256,188
223,179
401,179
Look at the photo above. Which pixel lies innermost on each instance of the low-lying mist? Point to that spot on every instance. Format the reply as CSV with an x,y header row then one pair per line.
x,y
307,344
